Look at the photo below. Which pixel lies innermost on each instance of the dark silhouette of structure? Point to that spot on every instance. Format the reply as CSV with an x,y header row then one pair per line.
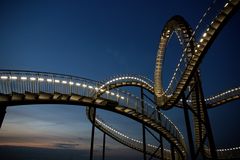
x,y
184,91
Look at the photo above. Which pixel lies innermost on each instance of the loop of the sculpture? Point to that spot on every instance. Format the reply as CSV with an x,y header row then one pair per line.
x,y
178,25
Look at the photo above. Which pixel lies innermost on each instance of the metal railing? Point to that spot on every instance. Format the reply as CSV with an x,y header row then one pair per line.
x,y
37,82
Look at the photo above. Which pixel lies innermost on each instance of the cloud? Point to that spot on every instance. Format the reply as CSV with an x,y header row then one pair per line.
x,y
57,114
54,142
66,145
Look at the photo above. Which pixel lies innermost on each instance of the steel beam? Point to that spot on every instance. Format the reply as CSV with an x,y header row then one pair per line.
x,y
172,152
143,126
208,124
200,120
2,114
93,132
161,139
160,136
188,126
104,141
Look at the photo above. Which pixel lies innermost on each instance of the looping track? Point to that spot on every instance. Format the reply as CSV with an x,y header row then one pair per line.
x,y
172,95
179,26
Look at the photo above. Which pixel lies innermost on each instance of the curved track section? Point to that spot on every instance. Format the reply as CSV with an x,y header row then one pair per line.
x,y
224,97
125,139
140,81
127,80
178,25
121,81
225,153
197,55
19,88
218,99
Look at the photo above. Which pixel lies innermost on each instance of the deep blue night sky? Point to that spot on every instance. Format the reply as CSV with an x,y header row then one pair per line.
x,y
99,39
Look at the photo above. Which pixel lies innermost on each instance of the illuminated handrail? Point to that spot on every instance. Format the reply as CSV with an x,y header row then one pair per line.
x,y
37,82
129,141
131,80
223,97
226,153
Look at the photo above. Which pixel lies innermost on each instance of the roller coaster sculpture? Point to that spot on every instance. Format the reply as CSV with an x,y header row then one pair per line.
x,y
184,91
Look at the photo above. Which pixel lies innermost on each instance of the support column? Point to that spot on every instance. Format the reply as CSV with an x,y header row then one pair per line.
x,y
93,132
172,152
207,122
104,141
2,114
210,134
200,121
161,143
188,126
160,138
143,127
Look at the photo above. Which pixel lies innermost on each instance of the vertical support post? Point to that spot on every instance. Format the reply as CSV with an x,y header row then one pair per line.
x,y
172,152
207,122
188,126
160,138
210,135
161,149
93,132
200,120
143,127
104,141
2,114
